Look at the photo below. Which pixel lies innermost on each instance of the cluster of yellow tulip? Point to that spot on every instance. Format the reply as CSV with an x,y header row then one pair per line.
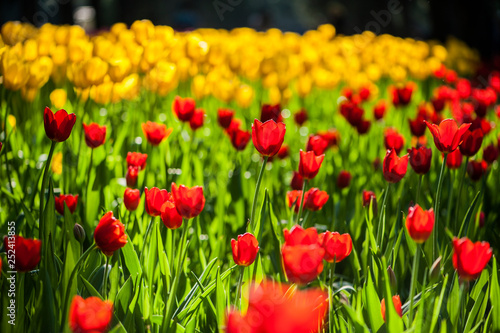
x,y
114,65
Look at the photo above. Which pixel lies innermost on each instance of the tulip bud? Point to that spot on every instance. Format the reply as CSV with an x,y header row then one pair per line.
x,y
79,233
392,278
435,269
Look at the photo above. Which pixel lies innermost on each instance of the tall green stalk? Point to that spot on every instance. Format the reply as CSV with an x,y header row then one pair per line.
x,y
436,210
256,194
42,190
457,208
301,202
414,275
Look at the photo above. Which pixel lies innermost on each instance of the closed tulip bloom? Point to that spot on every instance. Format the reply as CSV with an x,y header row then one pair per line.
x,y
284,152
394,167
417,126
183,108
300,117
331,136
131,176
137,159
197,119
90,315
419,223
469,259
402,96
363,126
170,216
131,198
454,159
344,179
476,169
188,201
317,144
293,199
58,125
309,164
397,305
392,139
245,249
268,137
26,252
471,143
239,138
224,117
490,154
420,159
70,200
155,133
368,196
155,198
379,109
337,247
271,112
314,199
302,254
447,136
109,235
297,181
95,135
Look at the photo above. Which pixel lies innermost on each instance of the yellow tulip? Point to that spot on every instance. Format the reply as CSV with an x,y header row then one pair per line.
x,y
58,98
119,69
95,70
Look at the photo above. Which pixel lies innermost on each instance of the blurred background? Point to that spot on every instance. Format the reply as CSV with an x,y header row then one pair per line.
x,y
475,22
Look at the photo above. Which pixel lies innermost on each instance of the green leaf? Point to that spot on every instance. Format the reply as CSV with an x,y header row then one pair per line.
x,y
131,260
495,298
372,304
220,300
394,322
437,305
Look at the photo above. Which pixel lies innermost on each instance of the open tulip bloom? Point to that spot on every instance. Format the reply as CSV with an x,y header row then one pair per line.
x,y
447,136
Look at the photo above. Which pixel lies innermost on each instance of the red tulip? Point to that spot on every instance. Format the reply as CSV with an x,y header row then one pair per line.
x,y
239,138
368,196
269,112
293,199
394,167
490,154
245,249
438,104
91,315
280,309
471,143
397,305
352,112
58,126
26,252
343,179
402,96
196,120
109,235
268,137
337,247
317,144
95,135
183,108
419,223
309,164
331,136
301,117
417,126
302,255
297,181
131,198
314,199
155,198
476,169
420,159
364,93
454,159
363,126
447,136
224,117
469,259
137,159
131,176
70,200
463,87
284,152
379,109
481,219
392,139
170,216
482,124
155,133
188,201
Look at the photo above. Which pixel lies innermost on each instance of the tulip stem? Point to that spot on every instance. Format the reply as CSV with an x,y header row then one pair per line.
x,y
70,281
381,219
414,275
457,208
330,292
238,289
89,171
255,195
105,279
148,229
42,190
301,202
436,210
419,185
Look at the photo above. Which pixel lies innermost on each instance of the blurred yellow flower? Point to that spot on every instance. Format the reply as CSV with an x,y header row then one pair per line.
x,y
56,165
58,98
